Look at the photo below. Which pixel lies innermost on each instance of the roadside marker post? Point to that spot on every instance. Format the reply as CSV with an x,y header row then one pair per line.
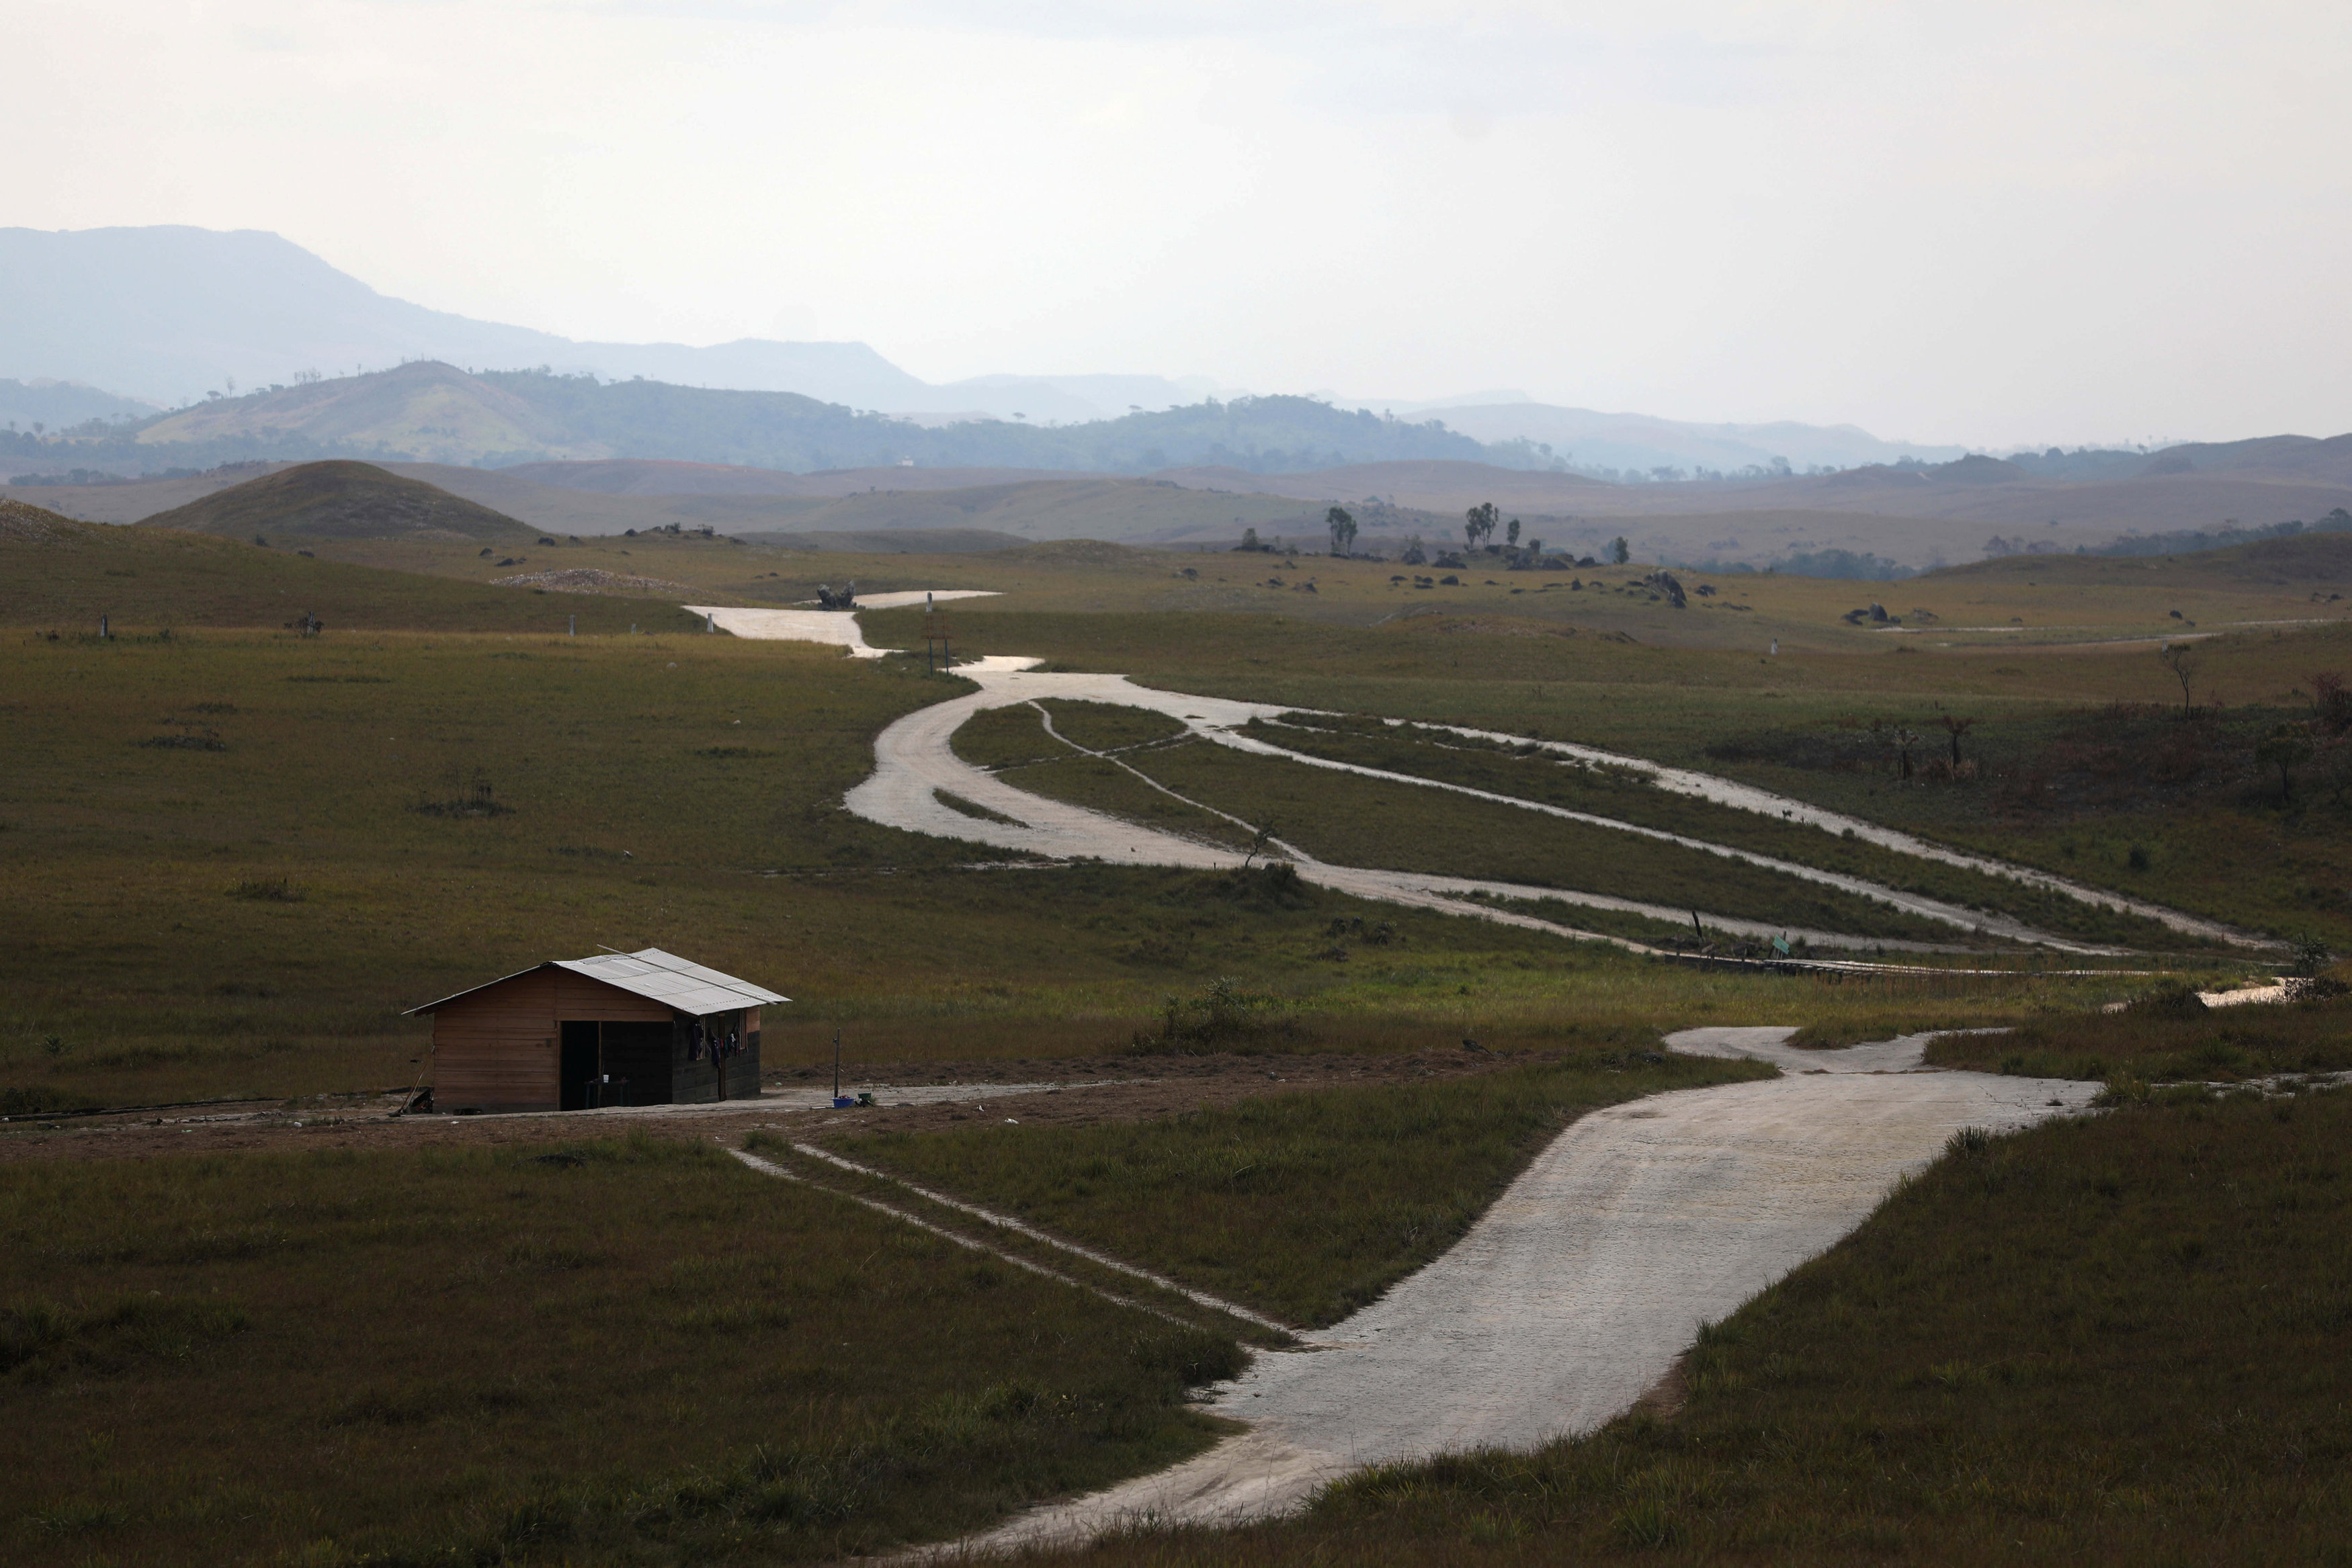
x,y
935,630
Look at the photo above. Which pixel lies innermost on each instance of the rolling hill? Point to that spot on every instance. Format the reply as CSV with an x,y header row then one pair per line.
x,y
432,412
340,501
60,575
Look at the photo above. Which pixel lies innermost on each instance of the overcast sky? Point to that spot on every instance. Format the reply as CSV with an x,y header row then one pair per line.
x,y
1986,223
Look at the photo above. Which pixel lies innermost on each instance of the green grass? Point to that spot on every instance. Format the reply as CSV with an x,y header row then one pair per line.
x,y
1102,785
1699,706
1626,796
1352,820
62,576
1010,736
1005,738
1305,1205
1107,727
2251,1039
678,792
2118,1340
625,1352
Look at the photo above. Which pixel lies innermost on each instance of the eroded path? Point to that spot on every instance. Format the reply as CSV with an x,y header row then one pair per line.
x,y
915,762
1582,1284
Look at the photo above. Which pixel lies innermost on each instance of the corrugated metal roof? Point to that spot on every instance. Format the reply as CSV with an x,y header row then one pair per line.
x,y
669,978
651,973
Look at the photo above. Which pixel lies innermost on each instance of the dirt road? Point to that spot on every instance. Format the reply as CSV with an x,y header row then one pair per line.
x,y
915,761
1588,1279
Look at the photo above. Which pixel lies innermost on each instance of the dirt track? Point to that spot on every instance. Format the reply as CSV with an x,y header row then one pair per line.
x,y
915,762
1071,1092
1580,1288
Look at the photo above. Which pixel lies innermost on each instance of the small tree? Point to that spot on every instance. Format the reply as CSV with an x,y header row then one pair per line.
x,y
1249,538
1620,552
2331,701
1956,727
1511,533
1415,552
1478,522
1903,739
2185,660
1343,531
2286,748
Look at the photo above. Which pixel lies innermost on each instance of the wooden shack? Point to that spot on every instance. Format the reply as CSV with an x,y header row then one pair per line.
x,y
620,1029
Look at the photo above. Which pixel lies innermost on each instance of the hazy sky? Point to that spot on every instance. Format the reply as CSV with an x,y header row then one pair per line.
x,y
1984,222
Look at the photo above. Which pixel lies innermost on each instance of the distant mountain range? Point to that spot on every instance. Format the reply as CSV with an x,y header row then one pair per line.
x,y
172,314
430,412
42,403
1642,447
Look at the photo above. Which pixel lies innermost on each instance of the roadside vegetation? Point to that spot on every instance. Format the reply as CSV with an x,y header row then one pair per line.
x,y
2178,810
233,859
1304,1205
1625,795
611,1352
2165,1036
2117,1339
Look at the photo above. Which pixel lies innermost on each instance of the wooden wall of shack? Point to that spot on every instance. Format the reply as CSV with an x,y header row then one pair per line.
x,y
498,1049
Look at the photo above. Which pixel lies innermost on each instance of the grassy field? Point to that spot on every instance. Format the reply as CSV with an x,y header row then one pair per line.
x,y
1352,820
190,923
610,1352
59,576
1626,796
1305,1205
2213,834
2113,1340
2160,1039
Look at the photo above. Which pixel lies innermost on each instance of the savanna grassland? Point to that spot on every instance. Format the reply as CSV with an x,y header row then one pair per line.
x,y
232,858
1305,1207
2113,1340
610,1351
2077,754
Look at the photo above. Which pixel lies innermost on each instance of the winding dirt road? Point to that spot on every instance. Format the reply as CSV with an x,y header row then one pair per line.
x,y
915,762
1584,1282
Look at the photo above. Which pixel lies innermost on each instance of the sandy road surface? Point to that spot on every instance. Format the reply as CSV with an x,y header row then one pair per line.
x,y
1747,797
838,627
1585,1282
907,803
914,761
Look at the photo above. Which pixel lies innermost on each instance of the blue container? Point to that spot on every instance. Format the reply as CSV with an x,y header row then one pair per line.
x,y
844,1102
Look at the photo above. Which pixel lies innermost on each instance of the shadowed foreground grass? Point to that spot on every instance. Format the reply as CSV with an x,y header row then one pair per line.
x,y
1305,1205
2120,1339
630,1351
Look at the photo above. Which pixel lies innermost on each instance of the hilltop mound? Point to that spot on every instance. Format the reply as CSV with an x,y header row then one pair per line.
x,y
340,501
21,522
57,574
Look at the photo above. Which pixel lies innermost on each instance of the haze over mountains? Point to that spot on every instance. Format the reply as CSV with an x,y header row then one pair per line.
x,y
829,440
171,314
